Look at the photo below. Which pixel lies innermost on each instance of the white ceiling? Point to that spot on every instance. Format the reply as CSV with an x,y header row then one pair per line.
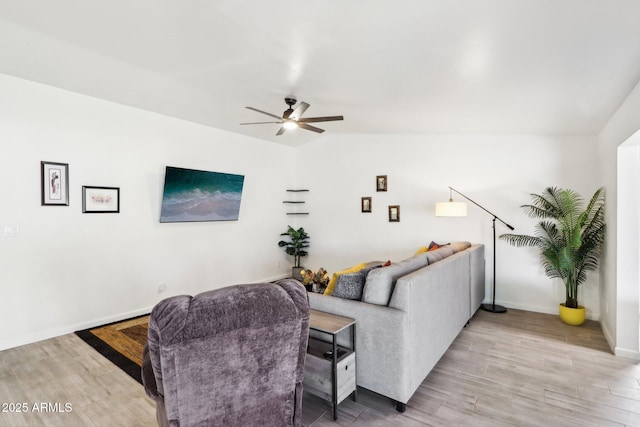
x,y
422,66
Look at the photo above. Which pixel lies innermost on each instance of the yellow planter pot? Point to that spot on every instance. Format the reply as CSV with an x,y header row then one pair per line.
x,y
572,316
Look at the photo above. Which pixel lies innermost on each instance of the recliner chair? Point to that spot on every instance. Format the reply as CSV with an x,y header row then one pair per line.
x,y
230,357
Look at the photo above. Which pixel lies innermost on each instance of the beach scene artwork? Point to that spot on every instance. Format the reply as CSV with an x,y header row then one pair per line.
x,y
192,196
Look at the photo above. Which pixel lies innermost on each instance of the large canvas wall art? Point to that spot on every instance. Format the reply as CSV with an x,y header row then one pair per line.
x,y
193,195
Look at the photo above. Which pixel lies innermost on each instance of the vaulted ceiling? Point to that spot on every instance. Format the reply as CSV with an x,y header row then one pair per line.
x,y
421,66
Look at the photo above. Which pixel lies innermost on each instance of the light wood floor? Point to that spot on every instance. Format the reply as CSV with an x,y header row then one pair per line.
x,y
518,368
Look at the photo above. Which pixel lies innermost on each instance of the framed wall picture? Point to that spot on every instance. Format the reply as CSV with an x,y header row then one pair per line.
x,y
394,213
100,199
381,183
192,195
365,204
54,184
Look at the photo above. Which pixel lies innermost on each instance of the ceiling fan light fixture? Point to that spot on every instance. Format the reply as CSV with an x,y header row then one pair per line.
x,y
292,118
290,124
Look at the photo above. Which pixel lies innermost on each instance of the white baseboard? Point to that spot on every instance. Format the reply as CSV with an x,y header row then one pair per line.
x,y
608,337
274,278
626,353
47,334
111,319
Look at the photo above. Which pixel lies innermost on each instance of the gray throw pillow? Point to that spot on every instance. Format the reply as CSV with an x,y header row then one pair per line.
x,y
350,285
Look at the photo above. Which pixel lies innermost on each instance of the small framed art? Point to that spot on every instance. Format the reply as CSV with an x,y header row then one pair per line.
x,y
394,213
381,183
54,184
100,199
365,204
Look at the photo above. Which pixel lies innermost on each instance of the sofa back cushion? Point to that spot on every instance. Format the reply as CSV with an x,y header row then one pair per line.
x,y
379,282
459,246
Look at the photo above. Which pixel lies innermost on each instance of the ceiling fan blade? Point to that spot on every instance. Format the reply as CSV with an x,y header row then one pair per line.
x,y
299,111
259,123
320,119
309,127
264,112
281,131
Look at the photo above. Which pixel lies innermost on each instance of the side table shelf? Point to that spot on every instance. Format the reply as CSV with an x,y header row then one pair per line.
x,y
317,371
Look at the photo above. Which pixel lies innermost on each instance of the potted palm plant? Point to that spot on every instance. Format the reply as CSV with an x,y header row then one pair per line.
x,y
296,246
569,237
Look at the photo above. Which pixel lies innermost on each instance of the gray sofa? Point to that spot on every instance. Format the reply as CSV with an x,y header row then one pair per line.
x,y
409,315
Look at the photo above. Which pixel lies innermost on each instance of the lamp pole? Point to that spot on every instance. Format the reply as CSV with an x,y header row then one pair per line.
x,y
493,308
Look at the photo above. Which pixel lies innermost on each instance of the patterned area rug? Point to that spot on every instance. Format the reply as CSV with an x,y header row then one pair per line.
x,y
121,343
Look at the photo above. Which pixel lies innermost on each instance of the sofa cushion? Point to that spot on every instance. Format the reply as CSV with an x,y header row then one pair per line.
x,y
434,256
334,277
438,254
350,285
379,283
459,246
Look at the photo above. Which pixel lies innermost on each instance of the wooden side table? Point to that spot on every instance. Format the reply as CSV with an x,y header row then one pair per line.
x,y
330,370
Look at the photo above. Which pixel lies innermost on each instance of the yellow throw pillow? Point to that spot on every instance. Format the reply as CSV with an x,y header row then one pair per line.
x,y
421,250
334,277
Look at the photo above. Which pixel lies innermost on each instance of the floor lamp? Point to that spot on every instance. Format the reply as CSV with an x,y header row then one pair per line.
x,y
452,208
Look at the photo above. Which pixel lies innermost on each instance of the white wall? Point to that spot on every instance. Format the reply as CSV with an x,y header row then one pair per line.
x,y
619,293
497,171
627,241
67,270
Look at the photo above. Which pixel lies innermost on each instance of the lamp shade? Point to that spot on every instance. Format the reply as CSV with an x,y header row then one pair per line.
x,y
451,209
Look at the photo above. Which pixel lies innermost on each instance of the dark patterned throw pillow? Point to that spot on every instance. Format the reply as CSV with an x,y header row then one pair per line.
x,y
350,285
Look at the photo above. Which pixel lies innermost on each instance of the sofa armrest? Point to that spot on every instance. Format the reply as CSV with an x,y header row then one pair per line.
x,y
477,278
148,377
437,300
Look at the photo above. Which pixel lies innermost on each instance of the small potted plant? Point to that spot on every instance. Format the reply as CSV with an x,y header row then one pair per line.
x,y
315,282
569,237
296,246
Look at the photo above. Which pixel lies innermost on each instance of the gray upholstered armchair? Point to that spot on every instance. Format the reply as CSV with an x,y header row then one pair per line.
x,y
230,357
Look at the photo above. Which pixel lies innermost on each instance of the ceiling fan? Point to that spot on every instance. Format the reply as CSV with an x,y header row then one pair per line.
x,y
292,118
